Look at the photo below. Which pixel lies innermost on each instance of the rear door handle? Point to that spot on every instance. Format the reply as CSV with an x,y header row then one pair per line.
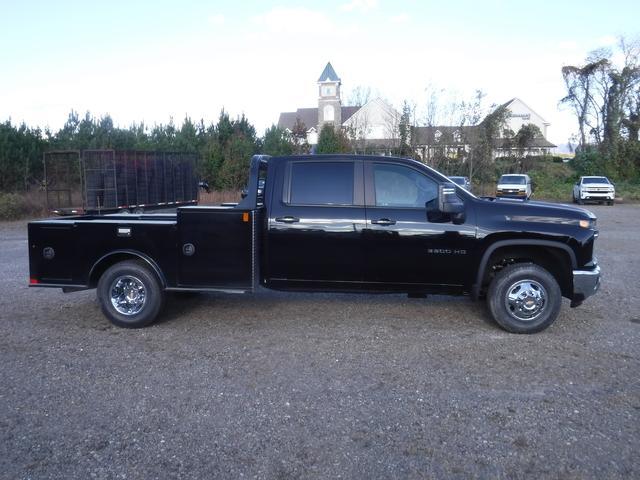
x,y
384,222
287,219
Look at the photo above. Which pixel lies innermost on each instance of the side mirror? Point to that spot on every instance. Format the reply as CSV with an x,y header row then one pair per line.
x,y
448,201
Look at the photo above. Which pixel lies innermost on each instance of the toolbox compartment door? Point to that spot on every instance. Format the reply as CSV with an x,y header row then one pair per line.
x,y
216,248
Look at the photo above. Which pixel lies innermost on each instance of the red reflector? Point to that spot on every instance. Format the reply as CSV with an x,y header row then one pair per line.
x,y
33,281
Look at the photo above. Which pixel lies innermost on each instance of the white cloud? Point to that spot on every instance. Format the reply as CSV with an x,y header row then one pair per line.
x,y
294,20
359,5
216,19
400,18
607,41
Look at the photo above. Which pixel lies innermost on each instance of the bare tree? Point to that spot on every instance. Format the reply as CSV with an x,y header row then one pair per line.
x,y
359,96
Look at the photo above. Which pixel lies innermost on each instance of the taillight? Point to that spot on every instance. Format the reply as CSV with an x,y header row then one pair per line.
x,y
33,281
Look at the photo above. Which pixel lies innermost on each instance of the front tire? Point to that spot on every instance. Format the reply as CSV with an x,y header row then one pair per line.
x,y
524,298
130,294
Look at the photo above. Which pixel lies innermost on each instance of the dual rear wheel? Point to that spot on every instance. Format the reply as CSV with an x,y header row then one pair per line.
x,y
130,294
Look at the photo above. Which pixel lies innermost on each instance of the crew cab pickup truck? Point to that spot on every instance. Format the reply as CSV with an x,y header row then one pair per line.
x,y
598,189
331,223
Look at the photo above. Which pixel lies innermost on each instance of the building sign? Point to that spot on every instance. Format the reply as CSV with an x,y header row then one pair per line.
x,y
524,116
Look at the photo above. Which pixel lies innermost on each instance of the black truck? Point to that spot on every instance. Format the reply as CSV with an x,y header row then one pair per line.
x,y
331,223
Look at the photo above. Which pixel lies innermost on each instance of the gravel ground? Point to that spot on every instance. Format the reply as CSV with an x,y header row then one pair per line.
x,y
279,385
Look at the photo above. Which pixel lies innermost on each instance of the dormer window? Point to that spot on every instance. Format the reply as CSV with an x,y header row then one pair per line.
x,y
457,137
437,135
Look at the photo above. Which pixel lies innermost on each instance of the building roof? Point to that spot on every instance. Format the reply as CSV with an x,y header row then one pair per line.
x,y
328,74
309,116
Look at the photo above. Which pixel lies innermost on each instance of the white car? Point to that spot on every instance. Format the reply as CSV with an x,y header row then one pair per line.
x,y
598,189
514,186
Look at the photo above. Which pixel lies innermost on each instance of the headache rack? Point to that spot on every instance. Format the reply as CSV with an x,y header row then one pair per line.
x,y
107,181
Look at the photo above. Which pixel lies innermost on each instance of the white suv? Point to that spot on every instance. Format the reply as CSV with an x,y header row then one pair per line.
x,y
514,186
598,189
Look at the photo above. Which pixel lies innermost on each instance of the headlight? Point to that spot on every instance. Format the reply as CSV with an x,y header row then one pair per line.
x,y
588,223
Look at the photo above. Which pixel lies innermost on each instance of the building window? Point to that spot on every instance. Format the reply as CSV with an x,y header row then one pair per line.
x,y
328,90
437,135
327,113
457,137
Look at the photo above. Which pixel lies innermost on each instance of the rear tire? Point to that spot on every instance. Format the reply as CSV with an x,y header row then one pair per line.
x,y
524,298
130,294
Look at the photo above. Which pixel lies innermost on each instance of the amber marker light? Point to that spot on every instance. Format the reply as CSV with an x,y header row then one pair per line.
x,y
245,217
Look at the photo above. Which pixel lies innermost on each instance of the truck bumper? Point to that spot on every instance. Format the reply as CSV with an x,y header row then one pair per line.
x,y
585,284
597,196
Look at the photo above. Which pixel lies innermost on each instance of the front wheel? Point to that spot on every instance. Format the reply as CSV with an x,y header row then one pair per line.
x,y
524,298
130,294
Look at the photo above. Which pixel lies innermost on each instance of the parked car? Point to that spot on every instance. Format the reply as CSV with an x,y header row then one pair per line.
x,y
514,186
592,188
462,181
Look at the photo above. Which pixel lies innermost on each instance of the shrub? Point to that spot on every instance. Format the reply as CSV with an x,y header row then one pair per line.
x,y
11,206
14,206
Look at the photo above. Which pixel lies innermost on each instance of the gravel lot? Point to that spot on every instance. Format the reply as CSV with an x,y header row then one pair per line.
x,y
280,385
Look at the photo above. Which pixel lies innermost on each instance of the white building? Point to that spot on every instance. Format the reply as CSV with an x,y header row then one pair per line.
x,y
376,121
375,125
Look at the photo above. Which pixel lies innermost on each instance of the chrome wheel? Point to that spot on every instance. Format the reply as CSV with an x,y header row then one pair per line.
x,y
526,300
128,295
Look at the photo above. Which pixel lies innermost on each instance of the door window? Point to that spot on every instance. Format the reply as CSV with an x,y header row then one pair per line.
x,y
399,186
325,183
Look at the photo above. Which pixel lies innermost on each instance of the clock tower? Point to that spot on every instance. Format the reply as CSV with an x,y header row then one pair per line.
x,y
329,105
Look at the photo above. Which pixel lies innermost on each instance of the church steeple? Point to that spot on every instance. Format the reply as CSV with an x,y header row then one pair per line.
x,y
329,103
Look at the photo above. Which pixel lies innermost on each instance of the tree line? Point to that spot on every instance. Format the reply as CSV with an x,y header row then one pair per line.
x,y
224,148
604,95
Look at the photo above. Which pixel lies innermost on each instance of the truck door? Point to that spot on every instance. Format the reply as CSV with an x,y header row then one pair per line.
x,y
315,224
407,242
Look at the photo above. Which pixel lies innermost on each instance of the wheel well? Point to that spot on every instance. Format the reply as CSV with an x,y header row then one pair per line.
x,y
108,261
555,260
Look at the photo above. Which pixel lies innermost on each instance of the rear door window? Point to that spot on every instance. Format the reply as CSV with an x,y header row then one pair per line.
x,y
321,183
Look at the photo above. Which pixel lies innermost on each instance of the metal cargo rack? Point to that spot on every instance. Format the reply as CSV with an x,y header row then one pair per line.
x,y
106,181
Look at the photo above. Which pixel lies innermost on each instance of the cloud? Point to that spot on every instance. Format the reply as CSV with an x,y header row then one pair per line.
x,y
294,20
607,41
216,19
400,18
359,5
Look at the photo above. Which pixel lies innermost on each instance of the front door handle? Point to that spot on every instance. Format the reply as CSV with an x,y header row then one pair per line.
x,y
384,222
287,219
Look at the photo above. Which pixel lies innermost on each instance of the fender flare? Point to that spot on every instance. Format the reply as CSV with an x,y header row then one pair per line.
x,y
475,289
133,253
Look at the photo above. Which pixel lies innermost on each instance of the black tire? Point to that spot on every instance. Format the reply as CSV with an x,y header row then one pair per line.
x,y
579,201
517,280
139,279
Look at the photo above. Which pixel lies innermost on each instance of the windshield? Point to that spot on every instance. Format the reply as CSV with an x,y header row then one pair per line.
x,y
595,180
513,179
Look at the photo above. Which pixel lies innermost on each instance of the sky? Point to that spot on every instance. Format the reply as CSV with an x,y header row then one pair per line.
x,y
155,60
